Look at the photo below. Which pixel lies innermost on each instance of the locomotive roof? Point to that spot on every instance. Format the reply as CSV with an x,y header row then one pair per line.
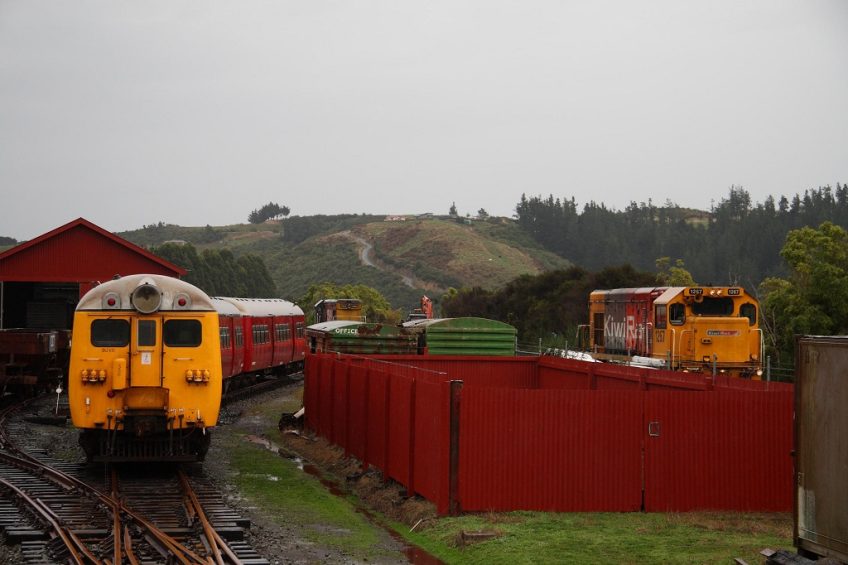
x,y
124,286
224,307
264,306
669,294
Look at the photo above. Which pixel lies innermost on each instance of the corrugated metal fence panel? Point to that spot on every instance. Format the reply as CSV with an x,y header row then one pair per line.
x,y
431,441
360,416
554,450
339,418
566,450
400,413
728,451
513,372
723,381
378,411
555,372
618,377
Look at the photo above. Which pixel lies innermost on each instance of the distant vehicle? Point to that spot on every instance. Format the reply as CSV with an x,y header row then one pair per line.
x,y
330,309
694,329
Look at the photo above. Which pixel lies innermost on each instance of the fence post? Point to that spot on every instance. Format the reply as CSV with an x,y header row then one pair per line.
x,y
453,480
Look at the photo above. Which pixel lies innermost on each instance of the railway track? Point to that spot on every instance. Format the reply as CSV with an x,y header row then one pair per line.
x,y
68,512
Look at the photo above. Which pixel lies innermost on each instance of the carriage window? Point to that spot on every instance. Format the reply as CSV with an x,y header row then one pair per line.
x,y
261,334
676,314
299,329
660,319
146,333
714,306
282,332
110,333
749,311
183,333
239,338
225,338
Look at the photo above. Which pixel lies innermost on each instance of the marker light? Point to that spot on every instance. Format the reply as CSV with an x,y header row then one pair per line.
x,y
182,301
111,301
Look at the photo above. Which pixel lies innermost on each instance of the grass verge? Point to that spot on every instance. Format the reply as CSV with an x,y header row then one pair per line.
x,y
290,496
538,537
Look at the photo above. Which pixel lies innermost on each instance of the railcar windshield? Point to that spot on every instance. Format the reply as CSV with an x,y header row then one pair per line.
x,y
110,332
714,306
183,333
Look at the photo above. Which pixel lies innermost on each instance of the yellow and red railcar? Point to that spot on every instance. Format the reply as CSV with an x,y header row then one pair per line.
x,y
145,372
696,329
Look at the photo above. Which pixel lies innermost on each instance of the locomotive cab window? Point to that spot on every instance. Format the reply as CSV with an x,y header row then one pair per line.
x,y
677,314
749,311
660,317
711,306
110,333
146,333
183,333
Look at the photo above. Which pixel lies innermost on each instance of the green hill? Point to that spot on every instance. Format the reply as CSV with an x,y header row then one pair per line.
x,y
402,259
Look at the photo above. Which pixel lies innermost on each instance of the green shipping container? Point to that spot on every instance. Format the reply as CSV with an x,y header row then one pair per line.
x,y
465,336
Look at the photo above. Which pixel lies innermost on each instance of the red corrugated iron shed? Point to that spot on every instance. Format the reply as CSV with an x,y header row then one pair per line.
x,y
79,252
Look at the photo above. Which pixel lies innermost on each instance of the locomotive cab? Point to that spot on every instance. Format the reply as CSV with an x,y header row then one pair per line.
x,y
145,373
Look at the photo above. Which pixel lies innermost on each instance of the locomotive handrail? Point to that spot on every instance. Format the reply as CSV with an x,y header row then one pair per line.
x,y
673,340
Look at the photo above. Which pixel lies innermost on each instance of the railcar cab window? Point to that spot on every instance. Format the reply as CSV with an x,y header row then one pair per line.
x,y
659,318
713,306
183,333
146,333
110,333
677,314
749,311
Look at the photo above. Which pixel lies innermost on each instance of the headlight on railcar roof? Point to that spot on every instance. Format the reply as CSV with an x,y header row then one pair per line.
x,y
146,298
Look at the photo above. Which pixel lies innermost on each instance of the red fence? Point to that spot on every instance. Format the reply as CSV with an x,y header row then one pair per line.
x,y
557,434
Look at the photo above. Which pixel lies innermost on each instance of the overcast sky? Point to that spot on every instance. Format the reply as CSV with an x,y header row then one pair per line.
x,y
194,113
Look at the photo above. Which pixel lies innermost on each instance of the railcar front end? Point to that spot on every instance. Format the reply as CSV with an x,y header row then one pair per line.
x,y
145,376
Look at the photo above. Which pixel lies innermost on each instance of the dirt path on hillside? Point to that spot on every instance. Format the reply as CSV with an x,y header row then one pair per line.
x,y
365,249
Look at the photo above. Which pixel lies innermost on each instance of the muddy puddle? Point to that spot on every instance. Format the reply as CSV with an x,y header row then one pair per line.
x,y
414,554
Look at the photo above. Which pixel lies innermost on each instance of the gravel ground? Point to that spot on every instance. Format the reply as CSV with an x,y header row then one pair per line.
x,y
278,543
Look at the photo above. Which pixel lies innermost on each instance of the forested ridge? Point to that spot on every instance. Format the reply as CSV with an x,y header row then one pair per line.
x,y
737,242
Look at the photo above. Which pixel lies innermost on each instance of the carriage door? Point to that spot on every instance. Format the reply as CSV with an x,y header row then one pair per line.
x,y
147,353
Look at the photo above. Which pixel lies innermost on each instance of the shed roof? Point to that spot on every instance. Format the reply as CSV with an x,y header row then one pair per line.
x,y
80,251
